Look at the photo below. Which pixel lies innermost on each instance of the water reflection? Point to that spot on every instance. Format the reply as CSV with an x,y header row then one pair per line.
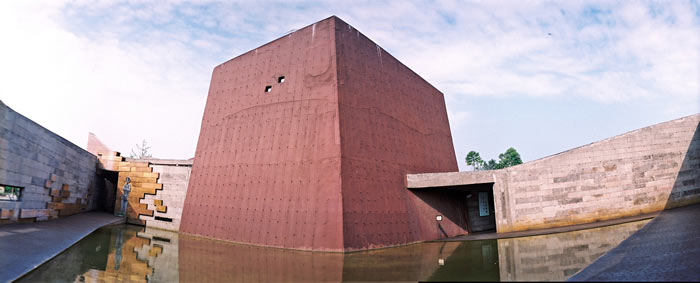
x,y
557,257
137,254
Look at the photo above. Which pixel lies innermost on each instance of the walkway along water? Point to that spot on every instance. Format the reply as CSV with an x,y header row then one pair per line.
x,y
25,246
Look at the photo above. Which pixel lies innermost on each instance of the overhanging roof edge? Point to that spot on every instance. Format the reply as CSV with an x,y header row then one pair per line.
x,y
428,180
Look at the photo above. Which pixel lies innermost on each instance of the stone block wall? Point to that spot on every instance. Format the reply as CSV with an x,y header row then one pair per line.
x,y
158,186
143,181
168,203
642,171
56,175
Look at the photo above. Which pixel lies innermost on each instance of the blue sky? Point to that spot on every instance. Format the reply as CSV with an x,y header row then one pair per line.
x,y
542,77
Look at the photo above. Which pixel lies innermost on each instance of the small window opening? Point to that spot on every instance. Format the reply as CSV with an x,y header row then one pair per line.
x,y
280,79
166,219
268,88
161,239
10,193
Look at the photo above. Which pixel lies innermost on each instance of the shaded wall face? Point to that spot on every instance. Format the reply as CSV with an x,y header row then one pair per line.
x,y
642,171
267,164
686,188
58,177
392,122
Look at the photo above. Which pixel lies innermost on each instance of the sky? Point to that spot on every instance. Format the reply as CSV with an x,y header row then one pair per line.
x,y
539,76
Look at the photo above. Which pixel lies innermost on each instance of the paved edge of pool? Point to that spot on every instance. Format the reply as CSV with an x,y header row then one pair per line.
x,y
29,245
666,249
546,231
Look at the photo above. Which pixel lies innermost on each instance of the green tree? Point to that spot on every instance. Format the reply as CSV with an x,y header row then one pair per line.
x,y
509,158
474,160
491,165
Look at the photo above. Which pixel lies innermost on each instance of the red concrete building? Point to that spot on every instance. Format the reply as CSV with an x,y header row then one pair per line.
x,y
306,142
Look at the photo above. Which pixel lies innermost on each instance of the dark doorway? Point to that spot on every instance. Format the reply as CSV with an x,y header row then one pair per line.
x,y
480,208
471,207
106,190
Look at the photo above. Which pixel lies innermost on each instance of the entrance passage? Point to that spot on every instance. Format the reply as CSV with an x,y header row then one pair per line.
x,y
106,190
471,206
480,211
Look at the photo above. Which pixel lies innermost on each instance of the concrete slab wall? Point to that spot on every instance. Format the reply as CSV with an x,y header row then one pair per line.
x,y
57,175
318,161
267,165
167,203
642,171
392,122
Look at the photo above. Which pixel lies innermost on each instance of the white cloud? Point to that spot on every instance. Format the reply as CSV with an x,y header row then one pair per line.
x,y
630,54
122,91
69,65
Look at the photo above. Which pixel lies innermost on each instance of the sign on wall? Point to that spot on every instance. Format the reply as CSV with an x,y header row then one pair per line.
x,y
483,204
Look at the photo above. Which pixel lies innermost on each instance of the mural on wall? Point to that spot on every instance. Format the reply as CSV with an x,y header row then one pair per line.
x,y
136,180
156,187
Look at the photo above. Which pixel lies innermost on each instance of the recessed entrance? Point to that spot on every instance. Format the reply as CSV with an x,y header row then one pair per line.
x,y
480,211
106,190
472,206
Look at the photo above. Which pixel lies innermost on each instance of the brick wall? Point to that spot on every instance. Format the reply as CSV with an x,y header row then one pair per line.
x,y
57,175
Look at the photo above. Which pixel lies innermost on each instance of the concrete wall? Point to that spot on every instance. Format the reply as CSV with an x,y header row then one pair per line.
x,y
174,175
392,122
57,175
318,163
267,165
642,171
158,186
645,170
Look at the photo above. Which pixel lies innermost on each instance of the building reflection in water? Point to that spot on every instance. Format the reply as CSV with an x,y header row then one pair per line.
x,y
137,254
557,257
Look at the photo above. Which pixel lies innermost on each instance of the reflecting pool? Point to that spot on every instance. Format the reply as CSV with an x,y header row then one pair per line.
x,y
138,254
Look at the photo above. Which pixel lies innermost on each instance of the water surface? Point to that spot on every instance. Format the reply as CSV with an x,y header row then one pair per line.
x,y
138,254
